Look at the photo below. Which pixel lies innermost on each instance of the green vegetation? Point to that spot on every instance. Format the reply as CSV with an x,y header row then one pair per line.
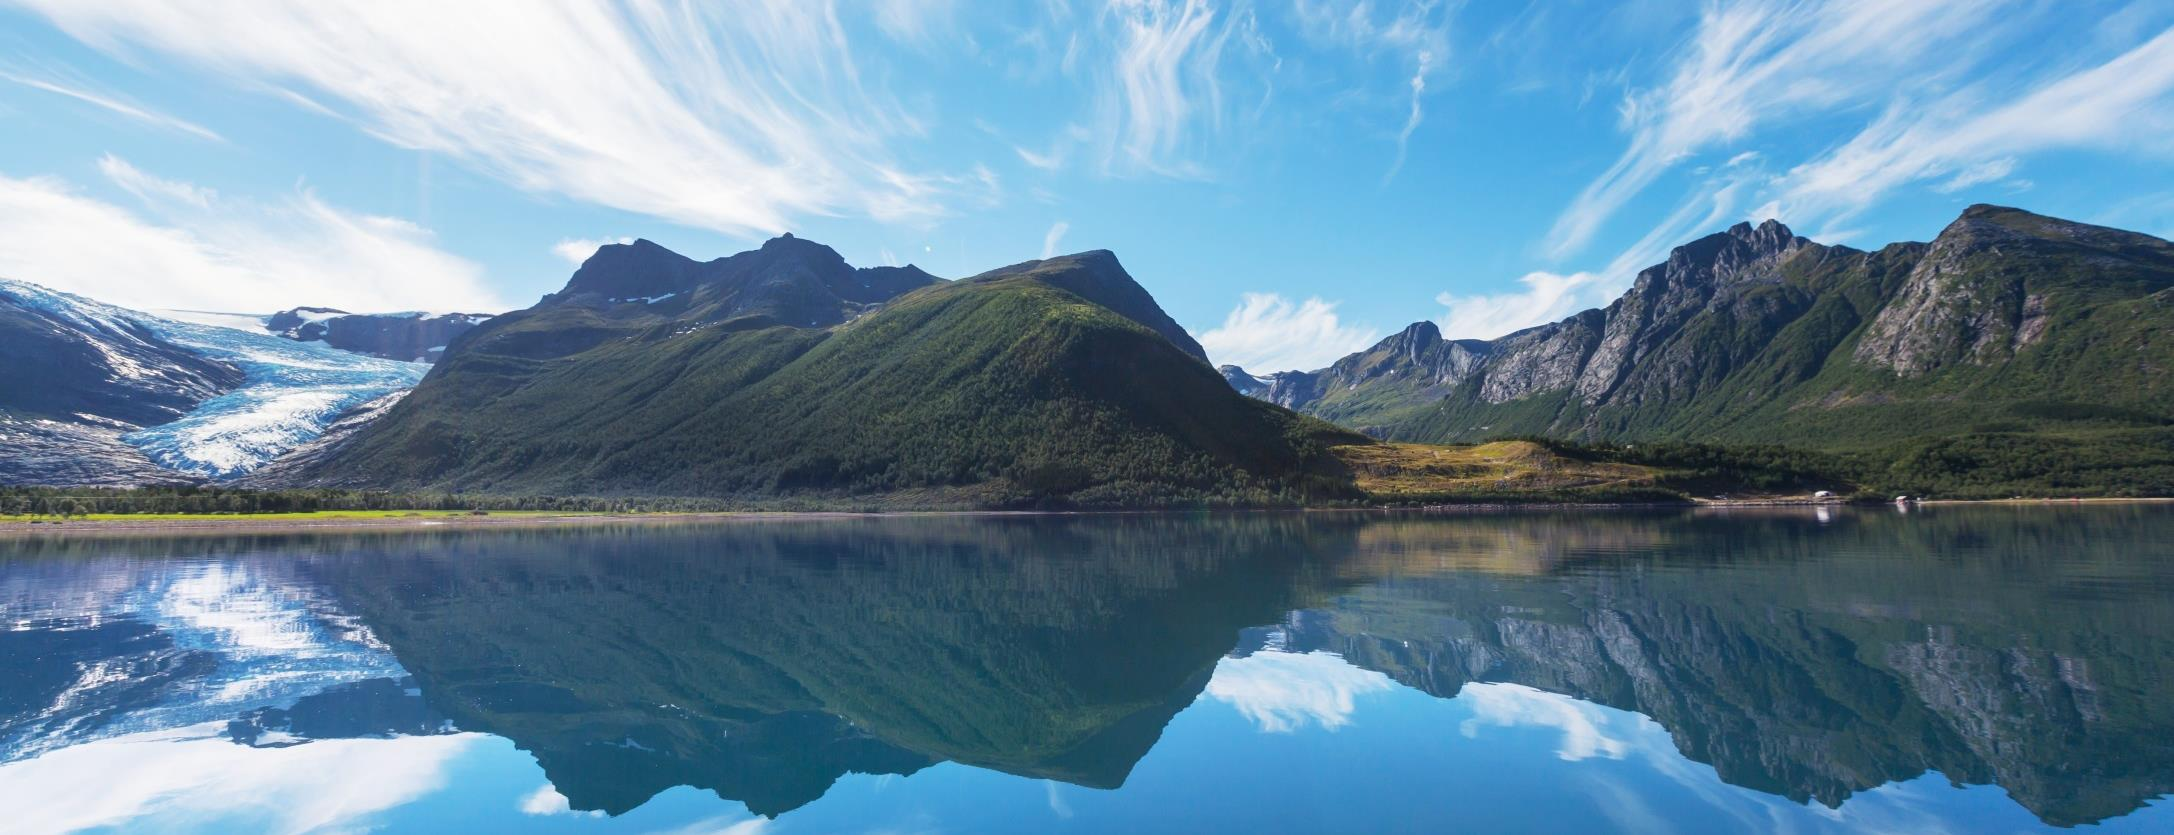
x,y
2016,354
93,503
2133,464
1001,391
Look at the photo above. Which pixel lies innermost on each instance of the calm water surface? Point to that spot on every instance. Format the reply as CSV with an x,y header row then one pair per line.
x,y
1960,669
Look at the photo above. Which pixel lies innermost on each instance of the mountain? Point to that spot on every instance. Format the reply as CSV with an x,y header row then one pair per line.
x,y
92,394
414,336
767,676
785,371
1789,679
2007,322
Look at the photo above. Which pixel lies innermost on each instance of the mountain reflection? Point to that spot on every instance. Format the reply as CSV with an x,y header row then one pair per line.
x,y
1805,657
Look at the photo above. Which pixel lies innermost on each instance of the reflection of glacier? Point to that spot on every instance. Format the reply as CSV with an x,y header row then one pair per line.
x,y
97,652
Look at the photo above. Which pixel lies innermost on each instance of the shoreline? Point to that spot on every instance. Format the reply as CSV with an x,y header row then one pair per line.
x,y
243,523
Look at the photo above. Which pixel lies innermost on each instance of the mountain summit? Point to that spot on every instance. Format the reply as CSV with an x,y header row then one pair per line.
x,y
785,371
2007,320
790,280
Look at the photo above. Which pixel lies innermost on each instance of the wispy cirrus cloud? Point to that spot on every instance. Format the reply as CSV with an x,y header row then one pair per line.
x,y
737,118
1959,120
185,247
1414,33
1975,135
1268,333
115,104
1543,296
1054,237
1753,64
1162,91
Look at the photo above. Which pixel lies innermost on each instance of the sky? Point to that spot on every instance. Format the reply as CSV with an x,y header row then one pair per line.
x,y
1292,179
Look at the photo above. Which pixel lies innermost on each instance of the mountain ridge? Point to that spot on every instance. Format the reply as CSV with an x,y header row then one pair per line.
x,y
2006,321
785,371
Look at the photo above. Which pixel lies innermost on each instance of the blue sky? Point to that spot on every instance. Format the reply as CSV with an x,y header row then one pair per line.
x,y
1292,179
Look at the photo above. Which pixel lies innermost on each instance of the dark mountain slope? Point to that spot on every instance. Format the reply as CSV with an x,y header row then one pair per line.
x,y
1023,384
2006,322
60,360
411,336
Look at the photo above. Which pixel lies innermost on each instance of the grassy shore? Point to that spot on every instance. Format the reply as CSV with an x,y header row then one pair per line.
x,y
299,516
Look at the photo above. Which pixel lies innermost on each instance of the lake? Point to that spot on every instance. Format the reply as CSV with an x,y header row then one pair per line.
x,y
1847,669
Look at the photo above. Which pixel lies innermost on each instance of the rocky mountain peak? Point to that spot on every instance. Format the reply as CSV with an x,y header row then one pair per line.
x,y
803,249
639,269
1416,340
1768,238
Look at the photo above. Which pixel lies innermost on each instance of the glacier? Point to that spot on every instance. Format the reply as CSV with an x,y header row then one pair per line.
x,y
291,390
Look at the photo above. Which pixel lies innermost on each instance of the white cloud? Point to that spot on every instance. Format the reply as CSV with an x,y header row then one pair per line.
x,y
1417,34
1053,237
1988,171
1047,162
1755,63
1267,333
733,117
2126,102
151,189
721,825
1546,297
190,249
116,105
1163,90
916,23
577,250
546,800
1411,122
197,775
1282,692
1586,727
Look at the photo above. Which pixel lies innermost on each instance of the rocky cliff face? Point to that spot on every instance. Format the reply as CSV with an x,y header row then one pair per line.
x,y
793,281
1980,294
1757,334
413,336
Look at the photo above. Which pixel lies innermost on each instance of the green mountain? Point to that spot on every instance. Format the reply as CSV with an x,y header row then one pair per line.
x,y
1049,647
786,372
2011,340
1839,654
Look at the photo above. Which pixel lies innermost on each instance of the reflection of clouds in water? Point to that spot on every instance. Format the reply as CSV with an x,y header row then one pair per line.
x,y
194,774
1594,732
1282,691
1585,726
546,800
1057,804
227,638
721,825
247,614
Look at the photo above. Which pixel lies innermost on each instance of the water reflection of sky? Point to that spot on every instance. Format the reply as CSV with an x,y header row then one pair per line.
x,y
204,696
1279,741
